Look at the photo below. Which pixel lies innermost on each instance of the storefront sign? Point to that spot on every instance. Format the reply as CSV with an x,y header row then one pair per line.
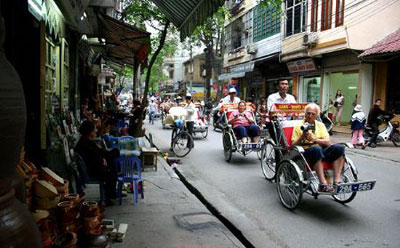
x,y
302,65
246,67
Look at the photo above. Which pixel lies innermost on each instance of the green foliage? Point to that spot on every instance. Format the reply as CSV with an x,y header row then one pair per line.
x,y
276,3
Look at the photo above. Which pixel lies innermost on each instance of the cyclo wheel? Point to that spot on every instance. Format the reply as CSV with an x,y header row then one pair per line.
x,y
227,142
347,176
181,144
268,161
205,133
396,139
288,185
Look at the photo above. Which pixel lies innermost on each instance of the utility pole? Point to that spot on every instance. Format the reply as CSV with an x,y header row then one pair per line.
x,y
191,66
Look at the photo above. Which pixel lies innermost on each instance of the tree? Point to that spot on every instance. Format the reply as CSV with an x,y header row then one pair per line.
x,y
211,34
141,13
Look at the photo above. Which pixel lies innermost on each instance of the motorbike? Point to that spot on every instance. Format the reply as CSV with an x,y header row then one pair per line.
x,y
217,125
390,132
323,117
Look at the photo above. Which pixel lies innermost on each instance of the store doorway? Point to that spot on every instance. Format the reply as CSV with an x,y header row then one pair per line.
x,y
347,82
310,89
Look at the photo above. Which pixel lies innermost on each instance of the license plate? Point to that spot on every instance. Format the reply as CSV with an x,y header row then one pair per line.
x,y
353,187
251,146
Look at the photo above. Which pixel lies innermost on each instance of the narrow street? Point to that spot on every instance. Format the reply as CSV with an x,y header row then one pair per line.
x,y
240,193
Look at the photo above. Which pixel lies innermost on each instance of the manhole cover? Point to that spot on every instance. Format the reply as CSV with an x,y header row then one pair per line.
x,y
198,220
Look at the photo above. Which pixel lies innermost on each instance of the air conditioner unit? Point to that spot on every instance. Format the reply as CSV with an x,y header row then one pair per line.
x,y
251,49
310,39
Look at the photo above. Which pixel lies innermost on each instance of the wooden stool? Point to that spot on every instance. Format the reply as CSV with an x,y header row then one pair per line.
x,y
149,157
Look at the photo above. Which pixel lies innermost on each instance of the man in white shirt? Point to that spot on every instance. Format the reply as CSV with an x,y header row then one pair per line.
x,y
231,98
190,115
281,96
152,111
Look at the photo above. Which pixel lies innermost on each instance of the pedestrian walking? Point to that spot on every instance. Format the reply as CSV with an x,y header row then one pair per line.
x,y
338,107
357,126
152,111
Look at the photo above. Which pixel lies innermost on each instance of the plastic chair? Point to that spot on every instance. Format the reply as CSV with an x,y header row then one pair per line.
x,y
130,169
85,179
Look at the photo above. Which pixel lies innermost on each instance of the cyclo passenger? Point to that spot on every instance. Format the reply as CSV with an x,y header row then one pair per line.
x,y
243,124
318,146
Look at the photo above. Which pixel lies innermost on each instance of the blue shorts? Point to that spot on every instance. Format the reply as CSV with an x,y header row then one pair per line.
x,y
328,154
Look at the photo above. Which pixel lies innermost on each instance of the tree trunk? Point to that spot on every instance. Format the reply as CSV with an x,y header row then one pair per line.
x,y
138,132
209,66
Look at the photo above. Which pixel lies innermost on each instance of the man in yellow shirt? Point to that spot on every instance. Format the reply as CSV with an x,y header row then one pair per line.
x,y
318,146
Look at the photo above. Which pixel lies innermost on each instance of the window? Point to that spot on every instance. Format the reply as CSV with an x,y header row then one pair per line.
x,y
237,28
326,14
339,13
266,22
247,20
314,15
296,11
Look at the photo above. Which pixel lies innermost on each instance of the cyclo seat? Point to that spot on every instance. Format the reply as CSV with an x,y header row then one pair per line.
x,y
288,127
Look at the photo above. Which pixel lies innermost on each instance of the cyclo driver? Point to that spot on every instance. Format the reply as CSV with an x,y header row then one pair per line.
x,y
314,138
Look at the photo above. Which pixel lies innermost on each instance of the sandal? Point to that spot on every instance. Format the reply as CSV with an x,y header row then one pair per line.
x,y
325,188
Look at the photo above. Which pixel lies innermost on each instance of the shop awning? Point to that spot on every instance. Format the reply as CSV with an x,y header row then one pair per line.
x,y
187,14
237,71
231,75
385,49
124,41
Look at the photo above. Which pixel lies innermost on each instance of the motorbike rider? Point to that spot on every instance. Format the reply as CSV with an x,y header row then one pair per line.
x,y
318,146
190,108
373,121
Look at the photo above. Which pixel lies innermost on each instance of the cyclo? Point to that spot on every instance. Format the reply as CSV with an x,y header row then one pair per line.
x,y
230,142
293,175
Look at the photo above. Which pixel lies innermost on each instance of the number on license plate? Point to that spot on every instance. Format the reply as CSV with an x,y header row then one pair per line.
x,y
348,188
251,146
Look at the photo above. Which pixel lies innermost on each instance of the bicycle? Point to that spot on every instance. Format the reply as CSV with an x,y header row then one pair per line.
x,y
181,140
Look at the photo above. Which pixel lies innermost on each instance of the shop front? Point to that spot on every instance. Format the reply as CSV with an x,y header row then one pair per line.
x,y
306,82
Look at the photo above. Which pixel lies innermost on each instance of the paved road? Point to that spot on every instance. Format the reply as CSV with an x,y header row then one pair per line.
x,y
240,192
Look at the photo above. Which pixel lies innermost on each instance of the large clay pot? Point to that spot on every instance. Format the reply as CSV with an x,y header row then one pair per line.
x,y
17,227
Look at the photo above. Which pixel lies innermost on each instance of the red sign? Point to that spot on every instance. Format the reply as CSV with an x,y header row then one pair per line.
x,y
301,65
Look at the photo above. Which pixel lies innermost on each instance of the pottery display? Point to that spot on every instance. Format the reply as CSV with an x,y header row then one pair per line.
x,y
44,189
48,175
90,209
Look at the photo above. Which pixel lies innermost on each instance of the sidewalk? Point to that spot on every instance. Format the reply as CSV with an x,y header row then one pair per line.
x,y
168,216
385,150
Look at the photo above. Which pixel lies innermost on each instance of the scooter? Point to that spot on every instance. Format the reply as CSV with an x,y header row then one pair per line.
x,y
389,133
217,125
323,116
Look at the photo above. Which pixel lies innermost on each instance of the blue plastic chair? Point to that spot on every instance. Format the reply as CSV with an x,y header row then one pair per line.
x,y
130,170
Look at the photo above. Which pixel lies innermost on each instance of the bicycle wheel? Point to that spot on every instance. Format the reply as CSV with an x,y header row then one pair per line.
x,y
288,185
205,133
396,139
347,176
182,144
173,135
268,161
227,143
